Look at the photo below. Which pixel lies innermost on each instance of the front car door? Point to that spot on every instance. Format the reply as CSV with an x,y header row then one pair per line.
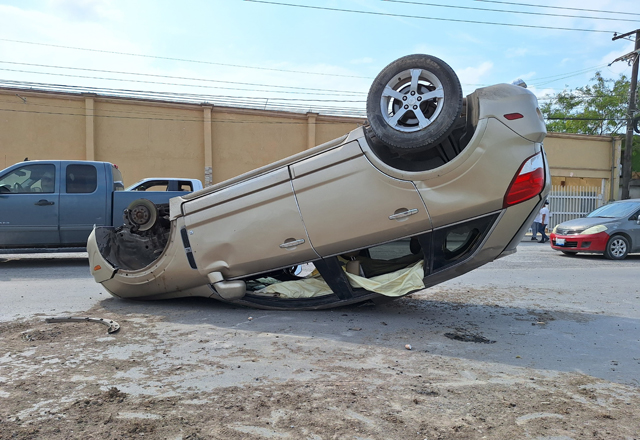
x,y
348,204
633,228
29,206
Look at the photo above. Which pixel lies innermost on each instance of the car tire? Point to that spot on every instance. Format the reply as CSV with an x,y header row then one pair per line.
x,y
414,103
571,254
617,248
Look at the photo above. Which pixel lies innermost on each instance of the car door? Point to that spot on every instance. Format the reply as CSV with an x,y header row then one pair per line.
x,y
633,228
348,204
83,201
247,228
29,206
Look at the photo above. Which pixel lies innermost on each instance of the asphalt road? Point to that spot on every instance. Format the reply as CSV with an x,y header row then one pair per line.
x,y
538,309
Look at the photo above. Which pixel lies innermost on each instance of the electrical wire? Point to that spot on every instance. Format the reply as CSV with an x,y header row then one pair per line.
x,y
600,11
504,11
157,82
218,100
229,121
341,92
420,17
180,59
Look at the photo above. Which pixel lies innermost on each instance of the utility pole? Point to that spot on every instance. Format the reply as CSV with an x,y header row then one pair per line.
x,y
628,145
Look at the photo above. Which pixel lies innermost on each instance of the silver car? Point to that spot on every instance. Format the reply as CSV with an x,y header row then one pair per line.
x,y
435,185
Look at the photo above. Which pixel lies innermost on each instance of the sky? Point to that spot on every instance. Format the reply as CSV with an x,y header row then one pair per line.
x,y
306,55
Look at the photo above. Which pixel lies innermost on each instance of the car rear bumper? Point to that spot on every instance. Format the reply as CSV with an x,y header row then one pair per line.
x,y
595,243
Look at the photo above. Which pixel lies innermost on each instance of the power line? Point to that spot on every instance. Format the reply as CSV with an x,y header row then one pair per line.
x,y
600,11
173,77
504,11
229,121
585,119
420,17
180,59
282,104
236,121
162,83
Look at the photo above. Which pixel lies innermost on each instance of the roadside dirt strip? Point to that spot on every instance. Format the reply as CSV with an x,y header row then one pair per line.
x,y
196,369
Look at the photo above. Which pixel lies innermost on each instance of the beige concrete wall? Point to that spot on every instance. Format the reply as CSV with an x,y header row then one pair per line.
x,y
40,127
149,139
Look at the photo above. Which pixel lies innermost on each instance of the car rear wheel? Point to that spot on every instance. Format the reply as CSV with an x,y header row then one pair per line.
x,y
617,248
414,103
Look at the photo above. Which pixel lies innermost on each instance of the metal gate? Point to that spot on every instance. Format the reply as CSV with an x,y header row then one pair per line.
x,y
569,202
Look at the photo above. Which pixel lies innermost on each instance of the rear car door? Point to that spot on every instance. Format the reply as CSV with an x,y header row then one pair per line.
x,y
29,206
83,201
247,228
348,204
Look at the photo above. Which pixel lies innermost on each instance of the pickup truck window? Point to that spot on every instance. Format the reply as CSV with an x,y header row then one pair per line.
x,y
81,179
118,184
29,179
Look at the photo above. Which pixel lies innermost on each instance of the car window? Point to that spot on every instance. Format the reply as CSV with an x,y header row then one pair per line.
x,y
118,184
81,179
38,178
153,185
185,186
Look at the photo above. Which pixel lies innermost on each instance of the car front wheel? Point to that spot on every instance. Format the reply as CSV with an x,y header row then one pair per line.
x,y
617,248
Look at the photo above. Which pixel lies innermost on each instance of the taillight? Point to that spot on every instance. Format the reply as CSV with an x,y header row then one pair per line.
x,y
527,183
513,116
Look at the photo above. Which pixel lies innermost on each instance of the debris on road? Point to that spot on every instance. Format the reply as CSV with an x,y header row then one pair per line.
x,y
113,326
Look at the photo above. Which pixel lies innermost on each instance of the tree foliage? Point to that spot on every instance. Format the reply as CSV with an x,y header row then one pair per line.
x,y
597,108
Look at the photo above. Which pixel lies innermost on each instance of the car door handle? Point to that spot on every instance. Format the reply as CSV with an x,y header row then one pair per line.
x,y
290,244
44,202
403,214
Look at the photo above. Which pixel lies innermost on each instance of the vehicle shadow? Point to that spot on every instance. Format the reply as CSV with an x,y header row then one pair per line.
x,y
598,345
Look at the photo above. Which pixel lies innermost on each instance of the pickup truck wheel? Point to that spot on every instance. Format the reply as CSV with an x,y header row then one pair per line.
x,y
414,102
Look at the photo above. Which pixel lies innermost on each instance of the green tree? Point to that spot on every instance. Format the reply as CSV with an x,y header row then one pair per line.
x,y
597,108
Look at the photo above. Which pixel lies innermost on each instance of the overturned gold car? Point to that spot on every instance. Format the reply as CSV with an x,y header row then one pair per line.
x,y
433,186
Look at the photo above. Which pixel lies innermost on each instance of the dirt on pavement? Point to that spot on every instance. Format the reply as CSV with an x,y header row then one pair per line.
x,y
160,379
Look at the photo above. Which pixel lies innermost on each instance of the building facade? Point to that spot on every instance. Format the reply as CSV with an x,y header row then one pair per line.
x,y
148,138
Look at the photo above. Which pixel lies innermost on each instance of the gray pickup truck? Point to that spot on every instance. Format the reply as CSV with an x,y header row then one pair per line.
x,y
52,205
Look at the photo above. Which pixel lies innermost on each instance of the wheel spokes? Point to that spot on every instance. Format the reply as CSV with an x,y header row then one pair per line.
x,y
388,91
399,114
415,76
423,121
437,93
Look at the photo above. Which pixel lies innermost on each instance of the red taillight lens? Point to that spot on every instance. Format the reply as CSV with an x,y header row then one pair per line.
x,y
513,116
527,183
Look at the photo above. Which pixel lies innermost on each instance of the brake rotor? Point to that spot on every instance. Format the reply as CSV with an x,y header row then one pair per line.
x,y
142,214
